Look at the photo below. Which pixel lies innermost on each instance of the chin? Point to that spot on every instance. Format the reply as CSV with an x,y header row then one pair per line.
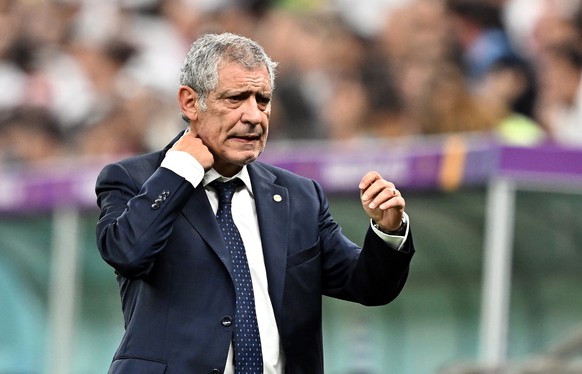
x,y
249,159
249,156
242,157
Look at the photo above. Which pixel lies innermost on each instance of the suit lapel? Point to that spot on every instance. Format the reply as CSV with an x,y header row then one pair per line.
x,y
200,215
272,202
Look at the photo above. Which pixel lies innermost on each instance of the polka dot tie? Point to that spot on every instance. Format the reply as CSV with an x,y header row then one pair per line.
x,y
247,342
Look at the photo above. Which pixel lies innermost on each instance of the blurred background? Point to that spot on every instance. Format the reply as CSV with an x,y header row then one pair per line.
x,y
472,107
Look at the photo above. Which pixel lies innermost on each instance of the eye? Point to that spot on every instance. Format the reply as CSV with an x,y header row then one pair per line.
x,y
239,97
263,100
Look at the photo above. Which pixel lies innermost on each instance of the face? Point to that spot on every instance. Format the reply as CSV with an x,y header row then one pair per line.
x,y
235,124
559,79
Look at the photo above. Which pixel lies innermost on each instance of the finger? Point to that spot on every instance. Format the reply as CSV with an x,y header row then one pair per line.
x,y
385,194
368,179
377,187
394,202
192,136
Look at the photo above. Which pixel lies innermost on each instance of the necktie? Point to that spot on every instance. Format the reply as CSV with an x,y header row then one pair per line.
x,y
247,342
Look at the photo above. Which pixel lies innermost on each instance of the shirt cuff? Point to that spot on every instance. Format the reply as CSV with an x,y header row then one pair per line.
x,y
394,241
185,165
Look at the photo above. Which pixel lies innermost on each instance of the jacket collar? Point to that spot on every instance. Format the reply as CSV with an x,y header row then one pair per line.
x,y
168,146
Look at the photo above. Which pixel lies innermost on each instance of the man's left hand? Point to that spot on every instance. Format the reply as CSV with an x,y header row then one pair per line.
x,y
381,201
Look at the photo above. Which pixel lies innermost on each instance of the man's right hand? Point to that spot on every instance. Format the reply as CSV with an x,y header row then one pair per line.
x,y
192,144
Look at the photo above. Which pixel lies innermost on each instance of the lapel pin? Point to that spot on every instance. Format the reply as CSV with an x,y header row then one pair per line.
x,y
277,198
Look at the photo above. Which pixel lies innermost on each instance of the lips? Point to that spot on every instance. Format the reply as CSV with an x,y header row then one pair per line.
x,y
248,137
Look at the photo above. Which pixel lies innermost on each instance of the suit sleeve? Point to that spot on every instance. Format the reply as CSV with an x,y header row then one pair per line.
x,y
372,275
381,272
136,218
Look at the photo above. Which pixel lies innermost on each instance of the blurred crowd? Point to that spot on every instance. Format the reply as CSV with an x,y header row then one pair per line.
x,y
90,77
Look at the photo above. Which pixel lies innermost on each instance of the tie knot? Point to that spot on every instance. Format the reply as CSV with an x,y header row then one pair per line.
x,y
226,190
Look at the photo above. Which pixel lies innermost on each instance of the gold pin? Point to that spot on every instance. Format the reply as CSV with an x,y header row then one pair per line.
x,y
277,198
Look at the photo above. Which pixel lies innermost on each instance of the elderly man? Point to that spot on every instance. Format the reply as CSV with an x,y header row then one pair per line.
x,y
222,260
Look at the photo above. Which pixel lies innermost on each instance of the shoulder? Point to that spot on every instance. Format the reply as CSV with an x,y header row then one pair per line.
x,y
265,176
138,167
280,175
147,160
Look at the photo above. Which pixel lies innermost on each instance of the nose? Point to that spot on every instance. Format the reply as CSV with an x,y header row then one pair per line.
x,y
252,113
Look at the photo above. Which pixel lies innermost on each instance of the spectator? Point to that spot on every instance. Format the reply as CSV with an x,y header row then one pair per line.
x,y
446,106
30,135
478,29
345,119
560,105
508,93
305,82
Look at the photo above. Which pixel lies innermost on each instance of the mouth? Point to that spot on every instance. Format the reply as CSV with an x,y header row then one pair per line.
x,y
247,137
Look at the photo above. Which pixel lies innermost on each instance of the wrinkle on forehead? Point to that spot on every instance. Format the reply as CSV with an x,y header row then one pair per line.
x,y
236,77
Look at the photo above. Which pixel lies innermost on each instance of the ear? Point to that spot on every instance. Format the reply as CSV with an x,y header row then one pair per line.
x,y
187,98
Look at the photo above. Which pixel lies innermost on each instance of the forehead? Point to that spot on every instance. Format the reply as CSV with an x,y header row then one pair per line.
x,y
235,76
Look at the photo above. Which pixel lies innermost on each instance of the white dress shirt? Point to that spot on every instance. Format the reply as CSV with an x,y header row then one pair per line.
x,y
245,217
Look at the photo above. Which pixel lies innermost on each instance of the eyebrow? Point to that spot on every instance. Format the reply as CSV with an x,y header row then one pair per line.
x,y
239,92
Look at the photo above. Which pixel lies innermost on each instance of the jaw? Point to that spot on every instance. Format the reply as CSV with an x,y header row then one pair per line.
x,y
232,161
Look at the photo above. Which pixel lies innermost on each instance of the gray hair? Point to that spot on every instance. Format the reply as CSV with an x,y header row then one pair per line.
x,y
211,51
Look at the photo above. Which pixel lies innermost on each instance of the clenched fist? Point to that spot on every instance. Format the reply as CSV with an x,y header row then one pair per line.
x,y
381,201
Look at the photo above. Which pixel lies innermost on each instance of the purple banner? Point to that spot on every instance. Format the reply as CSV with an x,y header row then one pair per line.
x,y
444,163
546,163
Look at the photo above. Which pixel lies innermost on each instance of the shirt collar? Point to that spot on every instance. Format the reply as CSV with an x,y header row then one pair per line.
x,y
212,175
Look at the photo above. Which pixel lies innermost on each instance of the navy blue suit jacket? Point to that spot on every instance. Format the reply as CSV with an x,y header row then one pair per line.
x,y
175,276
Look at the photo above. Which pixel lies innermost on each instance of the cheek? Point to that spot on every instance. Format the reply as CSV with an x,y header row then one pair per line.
x,y
209,135
265,123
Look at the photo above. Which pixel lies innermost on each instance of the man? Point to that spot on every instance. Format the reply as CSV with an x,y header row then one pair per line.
x,y
161,228
559,107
